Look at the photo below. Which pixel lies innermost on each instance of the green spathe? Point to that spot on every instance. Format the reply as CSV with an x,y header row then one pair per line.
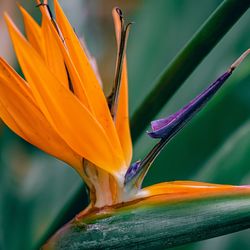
x,y
157,223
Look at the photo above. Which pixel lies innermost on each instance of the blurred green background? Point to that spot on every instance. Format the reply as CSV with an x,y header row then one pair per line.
x,y
36,189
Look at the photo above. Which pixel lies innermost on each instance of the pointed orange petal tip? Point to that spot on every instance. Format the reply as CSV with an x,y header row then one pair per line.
x,y
11,25
33,32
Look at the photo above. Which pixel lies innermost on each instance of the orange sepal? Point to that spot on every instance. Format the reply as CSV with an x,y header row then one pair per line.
x,y
65,113
187,189
20,113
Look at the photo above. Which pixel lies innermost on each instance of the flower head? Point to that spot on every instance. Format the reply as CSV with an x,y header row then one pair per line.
x,y
60,107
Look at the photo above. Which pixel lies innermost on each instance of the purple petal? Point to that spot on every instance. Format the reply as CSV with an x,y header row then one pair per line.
x,y
167,127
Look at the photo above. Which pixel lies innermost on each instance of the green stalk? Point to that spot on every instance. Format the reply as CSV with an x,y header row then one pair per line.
x,y
199,46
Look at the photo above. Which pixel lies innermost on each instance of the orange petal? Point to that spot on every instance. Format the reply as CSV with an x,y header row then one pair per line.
x,y
33,32
87,75
122,116
53,55
77,84
20,114
67,115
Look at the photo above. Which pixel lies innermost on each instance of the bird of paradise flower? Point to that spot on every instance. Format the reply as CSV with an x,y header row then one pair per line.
x,y
60,108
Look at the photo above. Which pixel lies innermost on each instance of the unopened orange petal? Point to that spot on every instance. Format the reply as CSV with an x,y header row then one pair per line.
x,y
122,116
178,192
63,110
184,187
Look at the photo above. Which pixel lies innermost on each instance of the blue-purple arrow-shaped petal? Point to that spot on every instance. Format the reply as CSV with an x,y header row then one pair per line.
x,y
166,127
